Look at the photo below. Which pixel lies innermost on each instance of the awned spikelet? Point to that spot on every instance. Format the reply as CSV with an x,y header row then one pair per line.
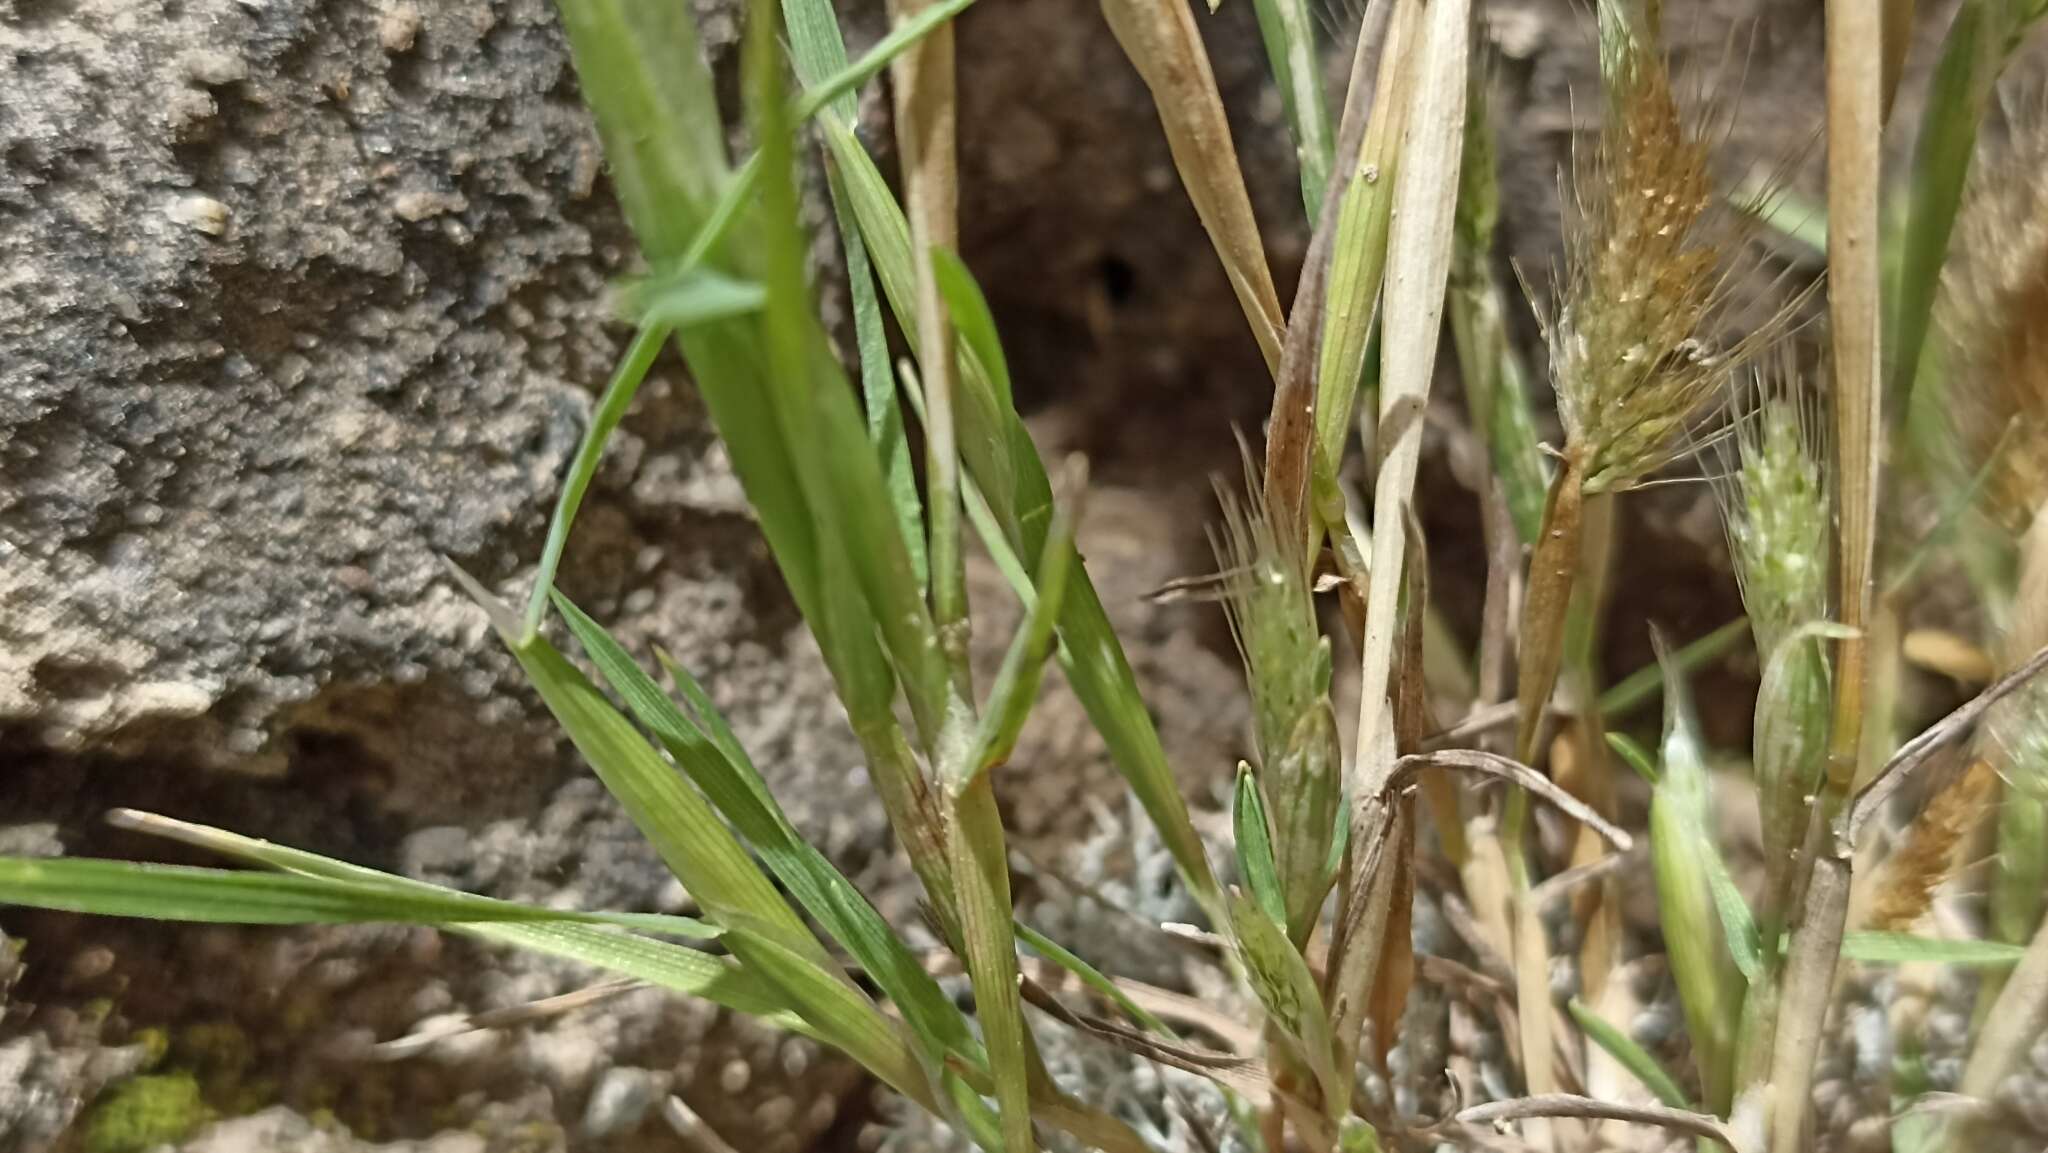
x,y
1272,615
1652,254
1775,504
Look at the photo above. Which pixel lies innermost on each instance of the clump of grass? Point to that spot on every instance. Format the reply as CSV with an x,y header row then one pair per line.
x,y
1654,267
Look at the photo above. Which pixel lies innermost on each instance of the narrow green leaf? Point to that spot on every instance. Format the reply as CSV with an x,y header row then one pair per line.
x,y
877,384
671,966
1002,461
976,847
236,897
1297,67
975,323
692,296
1906,949
707,751
1632,1057
691,840
1255,846
824,435
618,395
1637,757
1092,977
1286,988
836,90
838,1012
1738,924
1643,686
1016,686
643,73
1972,56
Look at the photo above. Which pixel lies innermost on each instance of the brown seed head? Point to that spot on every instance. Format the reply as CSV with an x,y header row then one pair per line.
x,y
1906,887
1994,317
1650,253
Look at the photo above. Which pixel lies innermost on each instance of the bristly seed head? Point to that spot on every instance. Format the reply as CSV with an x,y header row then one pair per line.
x,y
1775,505
1650,253
1993,300
1272,617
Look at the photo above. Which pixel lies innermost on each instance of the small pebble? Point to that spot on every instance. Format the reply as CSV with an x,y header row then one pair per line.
x,y
399,28
735,1077
620,1102
200,214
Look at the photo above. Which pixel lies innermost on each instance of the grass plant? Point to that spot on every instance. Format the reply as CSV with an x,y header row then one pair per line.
x,y
1652,331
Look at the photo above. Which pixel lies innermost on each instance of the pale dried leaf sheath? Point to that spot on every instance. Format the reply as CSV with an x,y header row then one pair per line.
x,y
1418,268
1855,83
1161,39
925,119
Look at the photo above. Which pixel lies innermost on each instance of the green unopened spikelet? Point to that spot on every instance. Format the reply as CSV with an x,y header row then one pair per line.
x,y
1287,664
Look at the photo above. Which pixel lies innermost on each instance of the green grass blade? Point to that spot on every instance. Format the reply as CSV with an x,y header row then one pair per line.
x,y
976,847
1738,924
819,53
706,750
1972,56
1092,977
837,1012
692,297
1638,758
673,967
1496,393
1632,1057
836,89
691,840
1005,466
236,897
1645,684
1907,949
1016,685
1289,34
986,444
825,435
975,323
611,408
1254,839
643,73
877,383
661,963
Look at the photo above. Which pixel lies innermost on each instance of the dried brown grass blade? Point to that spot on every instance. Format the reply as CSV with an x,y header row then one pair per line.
x,y
1246,1076
1162,41
1586,1108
